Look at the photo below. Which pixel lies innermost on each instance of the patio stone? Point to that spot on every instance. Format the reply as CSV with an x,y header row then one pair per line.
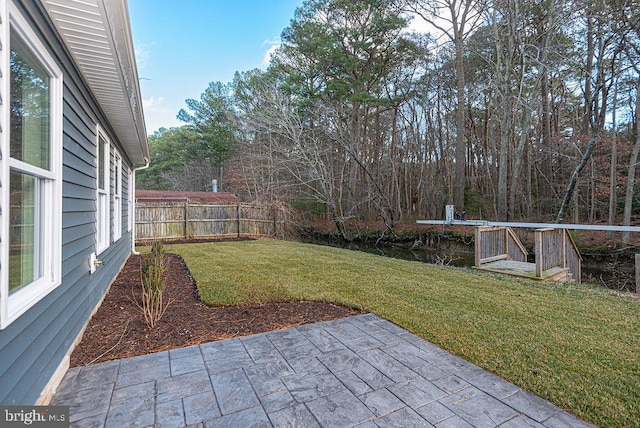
x,y
312,386
254,417
450,384
122,395
187,351
294,417
372,377
137,411
353,382
381,402
324,341
531,405
67,383
307,366
402,418
566,420
479,408
222,349
273,370
363,343
288,338
430,372
226,364
488,382
233,391
306,348
90,376
277,400
521,421
388,366
144,361
170,414
188,364
435,412
340,409
342,360
417,392
260,349
200,407
86,403
454,422
175,387
143,375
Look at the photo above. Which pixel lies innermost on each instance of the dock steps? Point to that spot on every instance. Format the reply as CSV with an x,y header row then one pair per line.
x,y
527,270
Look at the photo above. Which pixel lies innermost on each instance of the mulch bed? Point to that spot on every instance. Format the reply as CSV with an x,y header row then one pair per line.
x,y
118,329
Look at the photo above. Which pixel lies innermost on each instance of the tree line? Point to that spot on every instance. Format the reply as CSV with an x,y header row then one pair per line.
x,y
508,109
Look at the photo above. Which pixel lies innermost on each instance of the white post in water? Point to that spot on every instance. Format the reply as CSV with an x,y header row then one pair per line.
x,y
638,273
449,213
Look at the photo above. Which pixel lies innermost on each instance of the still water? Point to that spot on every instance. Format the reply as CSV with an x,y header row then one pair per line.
x,y
614,272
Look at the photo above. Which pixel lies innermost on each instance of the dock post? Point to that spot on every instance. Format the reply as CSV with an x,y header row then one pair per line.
x,y
477,246
638,273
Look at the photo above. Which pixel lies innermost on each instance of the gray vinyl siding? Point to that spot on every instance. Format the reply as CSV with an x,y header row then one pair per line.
x,y
33,346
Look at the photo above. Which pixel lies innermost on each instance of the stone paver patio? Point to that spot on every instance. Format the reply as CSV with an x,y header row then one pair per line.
x,y
361,371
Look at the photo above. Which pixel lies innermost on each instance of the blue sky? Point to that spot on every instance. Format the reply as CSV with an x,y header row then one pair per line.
x,y
181,46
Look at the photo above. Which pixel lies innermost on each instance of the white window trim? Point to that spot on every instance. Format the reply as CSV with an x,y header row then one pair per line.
x,y
130,200
103,224
14,305
117,195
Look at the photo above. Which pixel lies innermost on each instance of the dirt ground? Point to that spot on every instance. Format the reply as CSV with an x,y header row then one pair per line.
x,y
118,329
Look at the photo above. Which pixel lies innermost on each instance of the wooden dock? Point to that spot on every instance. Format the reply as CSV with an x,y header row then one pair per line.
x,y
498,249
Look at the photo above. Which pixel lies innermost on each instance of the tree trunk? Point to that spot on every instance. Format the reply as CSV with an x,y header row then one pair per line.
x,y
460,152
576,173
614,166
586,119
628,200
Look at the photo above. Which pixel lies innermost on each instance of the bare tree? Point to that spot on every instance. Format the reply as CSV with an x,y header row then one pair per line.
x,y
456,19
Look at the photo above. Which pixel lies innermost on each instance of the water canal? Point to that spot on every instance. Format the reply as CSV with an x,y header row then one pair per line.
x,y
613,269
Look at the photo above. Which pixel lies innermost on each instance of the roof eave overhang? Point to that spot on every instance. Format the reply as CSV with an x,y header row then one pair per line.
x,y
97,33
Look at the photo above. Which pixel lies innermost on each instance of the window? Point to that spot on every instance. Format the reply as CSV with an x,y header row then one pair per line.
x,y
117,196
102,191
31,164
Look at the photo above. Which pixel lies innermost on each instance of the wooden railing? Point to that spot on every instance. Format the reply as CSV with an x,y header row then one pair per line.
x,y
184,220
497,243
556,248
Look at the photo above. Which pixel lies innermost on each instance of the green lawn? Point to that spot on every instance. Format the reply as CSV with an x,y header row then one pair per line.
x,y
574,346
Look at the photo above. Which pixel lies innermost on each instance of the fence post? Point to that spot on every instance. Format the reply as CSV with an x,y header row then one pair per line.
x,y
239,220
638,273
275,222
186,220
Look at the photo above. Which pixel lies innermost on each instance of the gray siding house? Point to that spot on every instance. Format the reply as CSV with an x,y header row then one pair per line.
x,y
72,135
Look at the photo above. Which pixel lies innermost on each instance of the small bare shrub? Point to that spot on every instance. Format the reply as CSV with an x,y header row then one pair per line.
x,y
152,275
445,259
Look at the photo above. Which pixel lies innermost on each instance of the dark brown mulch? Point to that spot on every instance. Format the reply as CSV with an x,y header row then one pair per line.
x,y
118,329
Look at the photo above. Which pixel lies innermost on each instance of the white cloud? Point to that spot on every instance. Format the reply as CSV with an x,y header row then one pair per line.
x,y
152,103
142,52
157,114
273,45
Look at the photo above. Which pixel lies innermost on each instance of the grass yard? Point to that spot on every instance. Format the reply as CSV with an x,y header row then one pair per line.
x,y
575,346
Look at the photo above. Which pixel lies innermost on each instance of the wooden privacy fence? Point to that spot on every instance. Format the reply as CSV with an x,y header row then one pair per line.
x,y
184,220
